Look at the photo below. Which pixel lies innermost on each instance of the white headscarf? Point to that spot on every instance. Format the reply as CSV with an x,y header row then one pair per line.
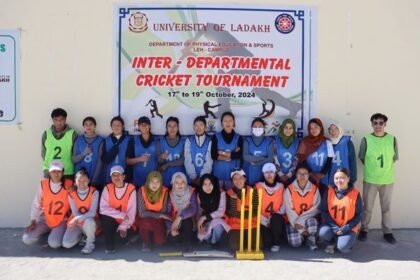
x,y
335,140
180,199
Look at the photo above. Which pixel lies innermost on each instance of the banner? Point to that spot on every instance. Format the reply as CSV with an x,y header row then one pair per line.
x,y
9,76
186,61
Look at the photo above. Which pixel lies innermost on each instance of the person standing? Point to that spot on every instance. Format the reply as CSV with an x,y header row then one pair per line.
x,y
317,152
87,152
378,153
344,154
57,143
286,145
197,152
257,150
114,151
141,152
170,151
226,151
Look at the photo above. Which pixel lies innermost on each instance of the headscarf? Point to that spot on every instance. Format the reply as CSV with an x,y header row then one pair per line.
x,y
340,128
180,199
310,143
287,140
153,196
209,202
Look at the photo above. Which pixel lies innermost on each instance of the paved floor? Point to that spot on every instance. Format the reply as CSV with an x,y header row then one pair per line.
x,y
373,259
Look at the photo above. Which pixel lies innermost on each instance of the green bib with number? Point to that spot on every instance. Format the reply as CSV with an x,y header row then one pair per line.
x,y
59,149
379,159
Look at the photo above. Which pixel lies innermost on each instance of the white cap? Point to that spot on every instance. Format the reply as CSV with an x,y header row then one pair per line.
x,y
56,165
237,171
116,169
269,167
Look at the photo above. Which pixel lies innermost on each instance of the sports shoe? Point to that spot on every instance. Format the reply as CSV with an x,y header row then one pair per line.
x,y
362,235
82,242
390,238
311,242
275,248
88,249
187,248
132,240
145,248
111,251
330,249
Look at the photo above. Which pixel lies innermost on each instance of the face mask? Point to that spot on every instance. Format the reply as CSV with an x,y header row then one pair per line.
x,y
257,131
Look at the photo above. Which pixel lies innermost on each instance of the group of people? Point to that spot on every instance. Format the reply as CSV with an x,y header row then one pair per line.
x,y
179,189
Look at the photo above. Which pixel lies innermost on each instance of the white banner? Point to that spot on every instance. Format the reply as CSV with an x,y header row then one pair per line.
x,y
187,61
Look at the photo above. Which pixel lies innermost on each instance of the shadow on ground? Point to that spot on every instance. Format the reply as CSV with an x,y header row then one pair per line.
x,y
407,249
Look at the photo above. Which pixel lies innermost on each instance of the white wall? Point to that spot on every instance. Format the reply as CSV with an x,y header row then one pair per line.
x,y
367,62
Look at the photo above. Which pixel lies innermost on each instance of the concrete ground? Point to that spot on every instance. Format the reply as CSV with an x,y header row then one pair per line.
x,y
373,259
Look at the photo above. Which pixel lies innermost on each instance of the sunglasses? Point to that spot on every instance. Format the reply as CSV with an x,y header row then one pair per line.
x,y
380,123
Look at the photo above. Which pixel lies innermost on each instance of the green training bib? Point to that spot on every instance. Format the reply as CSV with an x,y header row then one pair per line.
x,y
379,159
59,149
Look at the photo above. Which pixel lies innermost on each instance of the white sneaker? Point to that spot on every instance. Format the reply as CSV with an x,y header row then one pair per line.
x,y
88,249
313,247
146,248
311,242
330,249
82,242
275,248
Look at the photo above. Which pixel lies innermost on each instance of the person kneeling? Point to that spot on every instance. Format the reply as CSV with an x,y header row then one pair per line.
x,y
233,211
83,204
184,202
212,201
341,209
49,208
117,207
272,210
302,201
154,209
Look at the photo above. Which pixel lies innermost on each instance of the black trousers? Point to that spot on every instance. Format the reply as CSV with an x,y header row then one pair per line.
x,y
233,239
186,233
273,235
109,228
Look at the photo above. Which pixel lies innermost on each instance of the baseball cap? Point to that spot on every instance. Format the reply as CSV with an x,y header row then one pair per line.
x,y
116,169
143,120
56,165
269,167
237,171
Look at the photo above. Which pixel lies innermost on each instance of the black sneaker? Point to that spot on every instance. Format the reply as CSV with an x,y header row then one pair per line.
x,y
390,238
362,235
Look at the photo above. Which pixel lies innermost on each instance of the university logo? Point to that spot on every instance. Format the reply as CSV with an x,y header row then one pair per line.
x,y
284,23
137,22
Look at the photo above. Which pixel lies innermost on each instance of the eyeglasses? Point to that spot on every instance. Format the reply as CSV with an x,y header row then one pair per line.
x,y
380,123
302,174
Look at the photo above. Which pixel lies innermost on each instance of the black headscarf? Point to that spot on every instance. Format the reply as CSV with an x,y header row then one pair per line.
x,y
209,202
